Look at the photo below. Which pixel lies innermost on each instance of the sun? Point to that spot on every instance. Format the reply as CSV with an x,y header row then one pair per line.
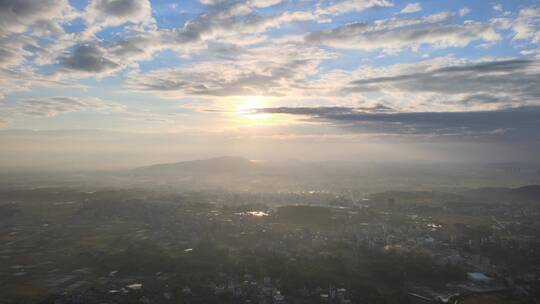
x,y
246,111
247,106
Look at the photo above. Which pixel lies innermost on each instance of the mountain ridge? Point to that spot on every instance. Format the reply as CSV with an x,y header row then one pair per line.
x,y
223,164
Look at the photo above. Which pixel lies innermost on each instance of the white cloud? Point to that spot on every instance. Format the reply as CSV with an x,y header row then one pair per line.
x,y
12,50
92,57
248,3
117,12
449,84
48,107
23,78
348,6
412,8
270,70
395,35
100,14
27,26
17,16
527,25
535,53
464,11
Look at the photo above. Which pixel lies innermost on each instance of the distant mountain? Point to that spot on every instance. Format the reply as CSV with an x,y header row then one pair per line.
x,y
214,166
240,174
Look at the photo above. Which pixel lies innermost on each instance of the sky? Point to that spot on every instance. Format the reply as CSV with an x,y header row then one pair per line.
x,y
128,82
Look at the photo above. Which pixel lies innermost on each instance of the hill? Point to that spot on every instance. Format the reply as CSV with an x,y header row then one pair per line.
x,y
214,166
530,193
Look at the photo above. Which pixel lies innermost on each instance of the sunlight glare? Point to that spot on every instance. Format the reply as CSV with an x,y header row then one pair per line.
x,y
247,106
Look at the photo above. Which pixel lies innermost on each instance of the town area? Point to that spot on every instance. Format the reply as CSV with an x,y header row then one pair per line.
x,y
139,246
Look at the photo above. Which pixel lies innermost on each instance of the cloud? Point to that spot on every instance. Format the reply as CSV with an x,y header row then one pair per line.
x,y
219,26
100,58
292,73
13,50
17,16
394,35
464,11
22,79
224,27
104,13
527,25
249,4
138,47
324,111
412,8
514,124
53,106
269,70
532,52
348,6
84,54
504,83
87,59
26,25
228,50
